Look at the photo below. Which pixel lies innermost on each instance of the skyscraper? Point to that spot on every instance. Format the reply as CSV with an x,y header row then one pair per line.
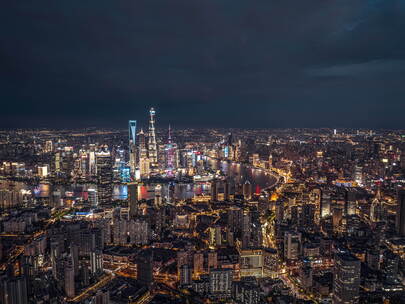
x,y
142,150
308,215
246,291
158,195
214,191
92,163
144,167
13,290
292,245
48,146
133,199
96,262
144,269
247,190
132,146
198,263
325,206
358,175
400,216
139,232
221,282
346,279
246,229
215,236
212,260
104,175
279,211
226,190
390,267
234,219
152,146
69,278
132,132
170,155
185,275
92,196
144,162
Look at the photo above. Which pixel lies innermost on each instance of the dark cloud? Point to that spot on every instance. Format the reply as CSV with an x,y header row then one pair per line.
x,y
257,63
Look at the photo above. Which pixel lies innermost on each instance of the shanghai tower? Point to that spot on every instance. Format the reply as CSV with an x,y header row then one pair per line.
x,y
152,147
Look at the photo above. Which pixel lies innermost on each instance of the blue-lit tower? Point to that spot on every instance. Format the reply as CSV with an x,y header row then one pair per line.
x,y
132,132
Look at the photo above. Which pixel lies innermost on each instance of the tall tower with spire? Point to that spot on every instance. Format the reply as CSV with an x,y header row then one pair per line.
x,y
169,137
144,163
171,154
132,146
152,147
142,149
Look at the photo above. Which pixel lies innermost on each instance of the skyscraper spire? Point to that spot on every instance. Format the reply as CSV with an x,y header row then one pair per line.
x,y
132,132
132,145
152,147
171,154
143,151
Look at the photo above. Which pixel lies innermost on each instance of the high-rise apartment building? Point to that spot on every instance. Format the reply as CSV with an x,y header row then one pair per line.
x,y
221,282
292,245
132,199
400,216
346,279
104,176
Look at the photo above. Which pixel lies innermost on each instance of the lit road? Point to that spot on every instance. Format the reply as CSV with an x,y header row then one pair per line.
x,y
18,250
293,286
90,290
144,299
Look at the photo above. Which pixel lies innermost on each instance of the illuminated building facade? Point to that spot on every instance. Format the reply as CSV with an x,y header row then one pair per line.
x,y
132,146
152,145
170,155
142,149
400,215
133,199
346,279
144,167
292,245
104,176
251,263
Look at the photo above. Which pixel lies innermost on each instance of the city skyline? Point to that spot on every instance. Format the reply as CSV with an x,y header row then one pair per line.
x,y
239,217
202,151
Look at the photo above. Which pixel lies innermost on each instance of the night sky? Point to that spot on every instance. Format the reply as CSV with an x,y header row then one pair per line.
x,y
202,63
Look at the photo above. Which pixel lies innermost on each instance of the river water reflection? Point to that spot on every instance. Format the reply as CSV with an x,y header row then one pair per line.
x,y
236,173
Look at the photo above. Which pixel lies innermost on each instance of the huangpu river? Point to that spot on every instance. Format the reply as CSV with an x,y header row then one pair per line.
x,y
235,172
